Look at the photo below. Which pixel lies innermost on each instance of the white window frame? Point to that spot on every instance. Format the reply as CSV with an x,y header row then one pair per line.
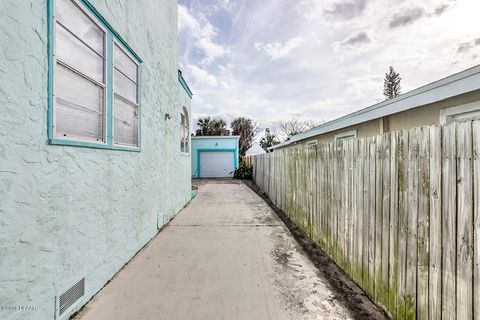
x,y
105,76
136,103
470,110
346,135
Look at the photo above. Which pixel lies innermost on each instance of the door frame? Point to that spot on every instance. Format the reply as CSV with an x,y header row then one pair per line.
x,y
235,157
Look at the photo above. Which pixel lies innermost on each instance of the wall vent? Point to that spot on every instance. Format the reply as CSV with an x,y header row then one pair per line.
x,y
69,297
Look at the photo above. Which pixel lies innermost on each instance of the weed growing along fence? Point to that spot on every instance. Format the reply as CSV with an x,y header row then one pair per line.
x,y
399,212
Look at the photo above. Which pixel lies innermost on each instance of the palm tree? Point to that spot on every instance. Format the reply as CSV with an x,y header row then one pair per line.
x,y
212,127
205,125
219,128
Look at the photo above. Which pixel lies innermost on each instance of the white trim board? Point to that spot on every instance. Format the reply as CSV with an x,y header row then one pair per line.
x,y
215,137
465,111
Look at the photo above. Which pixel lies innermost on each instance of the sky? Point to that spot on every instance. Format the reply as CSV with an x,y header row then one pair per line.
x,y
276,60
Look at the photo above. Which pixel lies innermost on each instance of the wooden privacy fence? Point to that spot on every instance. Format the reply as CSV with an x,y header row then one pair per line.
x,y
248,160
399,212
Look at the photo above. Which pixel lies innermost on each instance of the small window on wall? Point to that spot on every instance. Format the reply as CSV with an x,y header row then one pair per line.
x,y
465,112
93,80
184,131
346,135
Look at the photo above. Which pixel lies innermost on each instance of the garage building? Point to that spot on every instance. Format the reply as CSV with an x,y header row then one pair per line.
x,y
214,157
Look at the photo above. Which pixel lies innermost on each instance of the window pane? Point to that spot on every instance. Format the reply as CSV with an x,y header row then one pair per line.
x,y
77,55
79,106
125,123
184,139
123,63
80,24
124,87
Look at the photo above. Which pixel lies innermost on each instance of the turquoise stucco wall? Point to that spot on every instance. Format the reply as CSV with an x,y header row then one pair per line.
x,y
225,142
71,212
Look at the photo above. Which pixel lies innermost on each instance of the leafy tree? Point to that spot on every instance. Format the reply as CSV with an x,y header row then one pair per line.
x,y
391,84
212,127
293,127
269,141
247,129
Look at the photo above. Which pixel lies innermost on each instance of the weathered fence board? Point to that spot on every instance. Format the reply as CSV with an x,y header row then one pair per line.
x,y
371,221
464,237
435,213
423,223
394,226
402,222
449,191
378,219
385,197
400,213
476,217
411,222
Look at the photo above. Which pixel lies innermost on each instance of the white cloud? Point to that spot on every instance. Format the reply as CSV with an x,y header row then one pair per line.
x,y
202,33
211,50
277,50
186,20
202,76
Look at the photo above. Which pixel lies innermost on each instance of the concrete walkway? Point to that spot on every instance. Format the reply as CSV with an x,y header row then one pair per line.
x,y
225,256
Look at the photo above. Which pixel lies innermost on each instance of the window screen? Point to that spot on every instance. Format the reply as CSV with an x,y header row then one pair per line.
x,y
125,106
184,132
79,74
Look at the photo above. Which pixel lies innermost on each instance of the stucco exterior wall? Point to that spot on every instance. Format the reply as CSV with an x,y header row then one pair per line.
x,y
211,143
72,212
427,115
365,129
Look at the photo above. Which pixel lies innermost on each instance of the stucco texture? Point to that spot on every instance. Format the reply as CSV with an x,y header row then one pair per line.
x,y
73,212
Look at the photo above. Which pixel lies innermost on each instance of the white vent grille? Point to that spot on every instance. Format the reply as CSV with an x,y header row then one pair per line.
x,y
70,296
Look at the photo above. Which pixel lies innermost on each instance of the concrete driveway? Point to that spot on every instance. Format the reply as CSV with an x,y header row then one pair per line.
x,y
225,256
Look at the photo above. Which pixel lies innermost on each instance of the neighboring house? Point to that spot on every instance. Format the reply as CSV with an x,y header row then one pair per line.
x,y
94,145
454,98
215,156
254,150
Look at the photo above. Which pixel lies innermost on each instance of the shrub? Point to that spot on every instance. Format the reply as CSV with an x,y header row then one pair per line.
x,y
243,172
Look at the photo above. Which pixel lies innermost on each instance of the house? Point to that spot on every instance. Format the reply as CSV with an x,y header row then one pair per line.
x,y
254,150
454,98
94,145
214,156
